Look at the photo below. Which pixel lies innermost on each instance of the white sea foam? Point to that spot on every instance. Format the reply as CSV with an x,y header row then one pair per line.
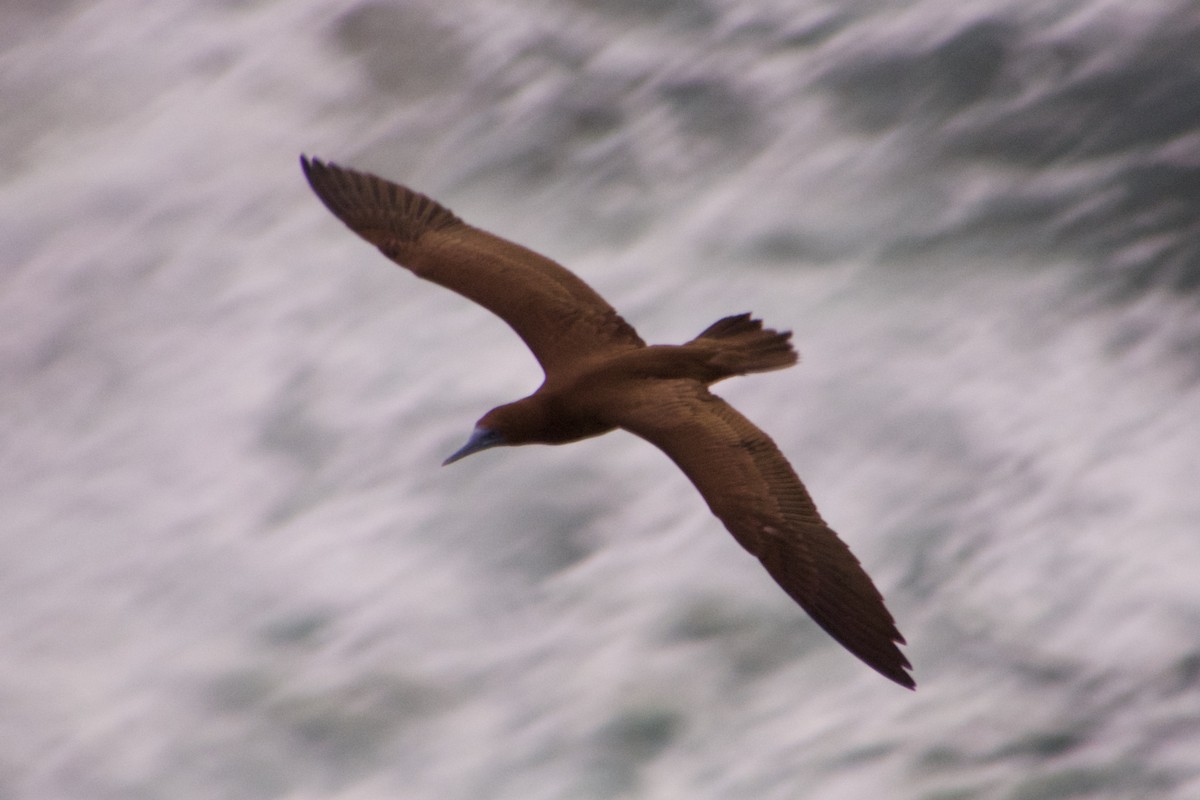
x,y
231,567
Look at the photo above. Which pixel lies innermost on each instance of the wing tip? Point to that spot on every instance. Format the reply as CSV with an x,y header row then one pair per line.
x,y
898,673
310,166
881,654
320,176
383,212
325,176
884,656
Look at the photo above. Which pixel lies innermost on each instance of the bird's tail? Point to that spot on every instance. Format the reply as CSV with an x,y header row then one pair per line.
x,y
739,344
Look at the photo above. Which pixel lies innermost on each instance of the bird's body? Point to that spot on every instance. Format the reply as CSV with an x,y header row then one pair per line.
x,y
601,376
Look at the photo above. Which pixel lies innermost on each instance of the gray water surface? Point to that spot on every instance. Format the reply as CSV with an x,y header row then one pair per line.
x,y
230,566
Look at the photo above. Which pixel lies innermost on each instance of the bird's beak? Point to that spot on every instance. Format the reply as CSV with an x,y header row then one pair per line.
x,y
481,439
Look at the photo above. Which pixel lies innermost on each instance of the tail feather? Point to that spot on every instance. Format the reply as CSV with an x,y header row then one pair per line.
x,y
738,345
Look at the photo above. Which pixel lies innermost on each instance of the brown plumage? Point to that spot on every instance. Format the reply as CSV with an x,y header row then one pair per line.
x,y
601,376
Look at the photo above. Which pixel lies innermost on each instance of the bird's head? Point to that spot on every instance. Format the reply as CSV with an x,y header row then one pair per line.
x,y
511,424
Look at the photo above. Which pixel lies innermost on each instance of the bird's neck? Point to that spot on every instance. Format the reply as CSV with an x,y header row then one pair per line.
x,y
545,418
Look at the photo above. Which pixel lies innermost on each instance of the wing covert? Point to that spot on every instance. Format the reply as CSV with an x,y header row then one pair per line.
x,y
558,316
753,490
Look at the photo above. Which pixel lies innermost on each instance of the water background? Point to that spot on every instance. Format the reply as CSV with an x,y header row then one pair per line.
x,y
230,566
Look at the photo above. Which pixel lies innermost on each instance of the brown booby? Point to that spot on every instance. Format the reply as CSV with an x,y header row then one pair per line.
x,y
601,376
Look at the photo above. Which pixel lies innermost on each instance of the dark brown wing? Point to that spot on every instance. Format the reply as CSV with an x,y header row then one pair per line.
x,y
559,317
753,489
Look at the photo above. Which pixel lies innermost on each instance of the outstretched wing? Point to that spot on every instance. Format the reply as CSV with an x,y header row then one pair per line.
x,y
752,488
559,317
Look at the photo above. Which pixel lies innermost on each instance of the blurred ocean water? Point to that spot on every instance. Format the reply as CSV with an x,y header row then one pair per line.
x,y
231,567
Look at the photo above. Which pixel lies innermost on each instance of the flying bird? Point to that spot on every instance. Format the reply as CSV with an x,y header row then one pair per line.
x,y
601,376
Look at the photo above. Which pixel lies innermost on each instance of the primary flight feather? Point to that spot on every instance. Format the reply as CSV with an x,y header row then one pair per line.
x,y
600,376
